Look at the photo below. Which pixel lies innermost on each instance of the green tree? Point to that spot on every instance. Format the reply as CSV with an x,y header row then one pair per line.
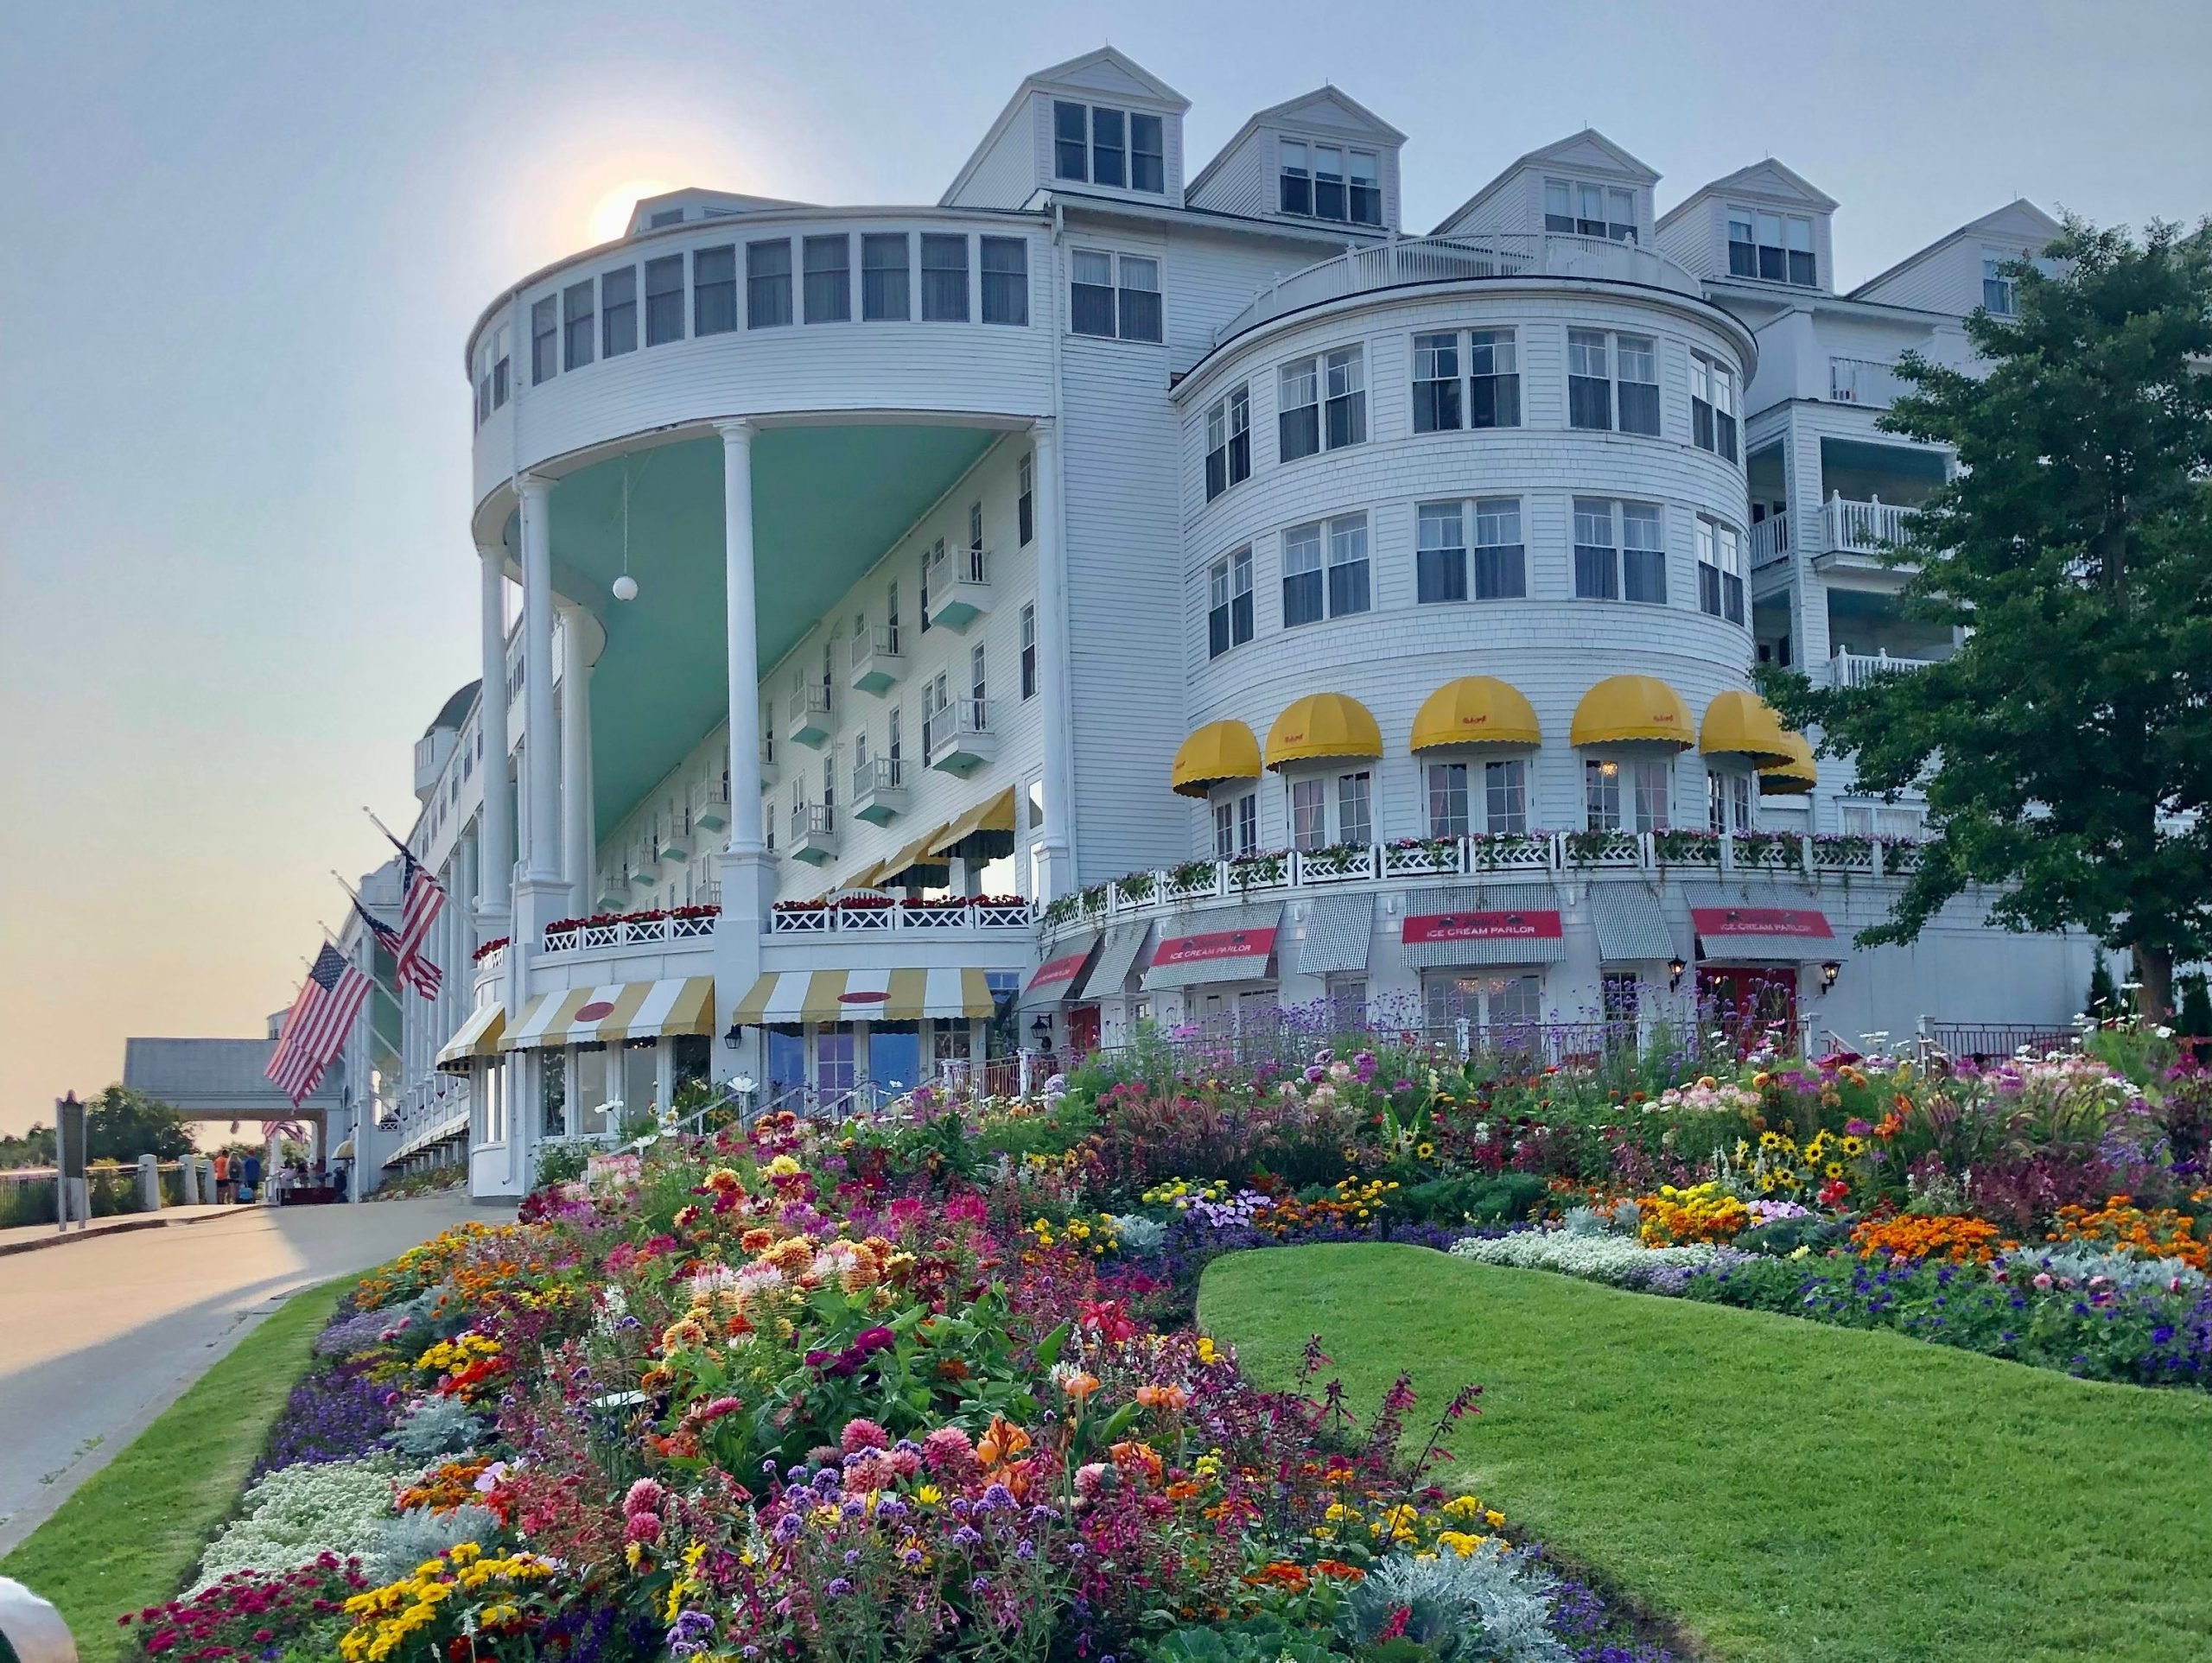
x,y
2066,748
121,1124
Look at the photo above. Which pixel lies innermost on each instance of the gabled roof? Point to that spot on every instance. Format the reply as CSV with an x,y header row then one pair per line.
x,y
1768,181
1325,108
1105,72
1589,150
2018,220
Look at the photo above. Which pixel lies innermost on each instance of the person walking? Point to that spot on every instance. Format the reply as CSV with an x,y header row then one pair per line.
x,y
252,1175
222,1180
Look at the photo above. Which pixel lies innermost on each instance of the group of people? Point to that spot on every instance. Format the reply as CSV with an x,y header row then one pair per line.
x,y
237,1178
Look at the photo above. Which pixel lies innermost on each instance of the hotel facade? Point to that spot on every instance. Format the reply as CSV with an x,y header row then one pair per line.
x,y
1126,592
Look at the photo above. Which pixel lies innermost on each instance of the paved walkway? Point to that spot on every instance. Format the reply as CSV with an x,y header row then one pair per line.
x,y
20,1238
100,1337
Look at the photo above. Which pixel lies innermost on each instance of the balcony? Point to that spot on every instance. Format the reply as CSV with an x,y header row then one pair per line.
x,y
876,916
605,934
674,843
1770,540
1861,528
1413,260
960,738
1873,382
807,718
710,804
814,834
431,752
1847,668
957,587
878,790
878,665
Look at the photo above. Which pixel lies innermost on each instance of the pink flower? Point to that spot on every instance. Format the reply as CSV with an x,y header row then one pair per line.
x,y
905,1462
869,1472
644,1497
2042,1279
861,1434
1091,1478
948,1450
642,1527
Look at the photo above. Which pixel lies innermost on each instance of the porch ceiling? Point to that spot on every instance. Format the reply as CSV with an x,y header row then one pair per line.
x,y
827,504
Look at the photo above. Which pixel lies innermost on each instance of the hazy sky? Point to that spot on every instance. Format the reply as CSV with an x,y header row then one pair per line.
x,y
241,246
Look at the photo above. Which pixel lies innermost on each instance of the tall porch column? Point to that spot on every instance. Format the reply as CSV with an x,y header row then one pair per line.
x,y
1058,875
540,757
577,829
748,878
495,858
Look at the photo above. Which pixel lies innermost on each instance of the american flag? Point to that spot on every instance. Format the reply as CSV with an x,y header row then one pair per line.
x,y
315,1030
418,972
417,913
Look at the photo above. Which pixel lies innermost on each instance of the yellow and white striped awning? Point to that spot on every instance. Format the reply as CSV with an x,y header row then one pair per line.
x,y
476,1038
621,1010
792,996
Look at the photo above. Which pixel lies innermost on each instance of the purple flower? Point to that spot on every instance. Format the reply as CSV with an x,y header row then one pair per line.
x,y
837,1588
789,1526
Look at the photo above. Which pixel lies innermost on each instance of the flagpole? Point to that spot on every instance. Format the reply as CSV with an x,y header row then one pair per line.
x,y
369,975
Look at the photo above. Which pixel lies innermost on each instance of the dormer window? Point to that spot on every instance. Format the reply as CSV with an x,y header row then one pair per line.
x,y
1773,247
1325,182
1998,298
1094,143
666,217
1584,210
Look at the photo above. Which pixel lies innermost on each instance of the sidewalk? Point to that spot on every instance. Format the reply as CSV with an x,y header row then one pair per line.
x,y
29,1238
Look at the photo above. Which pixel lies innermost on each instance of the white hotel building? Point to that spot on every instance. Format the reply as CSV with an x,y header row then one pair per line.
x,y
1128,590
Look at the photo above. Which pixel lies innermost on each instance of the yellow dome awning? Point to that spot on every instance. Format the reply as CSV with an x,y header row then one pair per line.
x,y
1323,725
1219,751
1795,777
993,814
1625,708
1475,710
1740,724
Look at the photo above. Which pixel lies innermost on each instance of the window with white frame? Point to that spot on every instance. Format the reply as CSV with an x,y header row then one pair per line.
x,y
1355,807
1713,406
617,311
1631,795
1098,144
944,278
1235,825
1005,265
579,324
1583,209
1437,389
1309,814
1349,591
1505,796
1345,397
1029,652
1115,296
492,371
1229,442
1772,247
665,298
1501,563
1327,181
1298,410
1025,503
829,271
1304,595
767,286
1441,553
1447,800
1613,381
1901,820
1620,551
886,276
1229,603
1719,569
1224,829
1508,1003
544,340
1493,379
1998,295
1728,796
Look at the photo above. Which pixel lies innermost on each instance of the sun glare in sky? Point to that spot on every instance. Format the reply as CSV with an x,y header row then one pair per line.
x,y
610,215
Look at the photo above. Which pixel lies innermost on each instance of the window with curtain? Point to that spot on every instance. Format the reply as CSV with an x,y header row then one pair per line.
x,y
1248,822
714,290
829,263
1728,800
1652,781
1303,594
1328,182
767,284
1224,829
1347,589
1636,367
1229,603
1597,556
1436,382
1713,406
1229,442
1298,410
1601,793
1006,280
544,340
1720,570
1070,140
1643,554
1029,652
1589,380
1493,379
1441,553
1090,293
1309,814
1148,154
1998,298
1447,799
1295,193
944,279
578,325
665,298
1355,816
1140,297
885,258
1366,200
1501,558
617,311
1346,408
1505,796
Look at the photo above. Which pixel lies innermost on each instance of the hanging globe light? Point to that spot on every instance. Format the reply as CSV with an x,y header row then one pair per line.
x,y
625,588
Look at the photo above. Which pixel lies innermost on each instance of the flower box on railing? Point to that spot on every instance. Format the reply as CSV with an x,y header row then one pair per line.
x,y
1251,872
490,948
1135,889
1842,852
1002,913
1413,856
1902,856
1685,849
1342,863
1509,851
1756,851
1191,881
1603,849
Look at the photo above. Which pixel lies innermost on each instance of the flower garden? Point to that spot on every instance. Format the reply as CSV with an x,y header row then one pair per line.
x,y
929,1384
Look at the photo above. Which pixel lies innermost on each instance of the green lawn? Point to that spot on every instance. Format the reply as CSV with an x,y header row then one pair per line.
x,y
1789,1491
130,1537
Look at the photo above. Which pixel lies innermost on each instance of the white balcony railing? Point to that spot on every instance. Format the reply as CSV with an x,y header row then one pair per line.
x,y
607,934
958,585
1865,381
878,790
875,915
1862,528
877,662
710,804
1848,669
814,832
1453,259
1770,540
959,736
807,719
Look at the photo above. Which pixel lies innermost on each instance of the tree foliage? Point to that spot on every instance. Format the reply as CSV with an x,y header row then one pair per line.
x,y
2066,748
120,1125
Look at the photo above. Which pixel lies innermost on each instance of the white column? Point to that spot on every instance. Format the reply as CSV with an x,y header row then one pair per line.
x,y
495,857
577,829
541,754
745,835
1052,666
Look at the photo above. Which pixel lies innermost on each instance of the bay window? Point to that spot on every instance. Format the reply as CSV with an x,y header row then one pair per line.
x,y
1613,381
1583,209
1772,247
1620,551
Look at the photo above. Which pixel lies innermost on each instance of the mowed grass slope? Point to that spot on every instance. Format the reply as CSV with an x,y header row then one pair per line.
x,y
1788,1491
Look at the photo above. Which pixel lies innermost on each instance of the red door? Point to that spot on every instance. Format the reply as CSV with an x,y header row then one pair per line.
x,y
1752,1006
1083,1031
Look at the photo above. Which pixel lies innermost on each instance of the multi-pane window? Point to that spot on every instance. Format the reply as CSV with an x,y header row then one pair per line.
x,y
617,311
1355,813
1248,822
1436,382
890,616
1441,553
767,285
1309,814
1348,586
491,362
714,288
1295,162
1100,145
1500,557
1619,551
1325,182
1728,800
1505,796
944,278
1029,652
1024,505
978,683
1588,210
1447,800
1303,594
884,277
1298,410
930,556
1625,796
1229,442
829,263
1720,570
1774,247
544,340
1237,825
1493,379
1224,829
1613,381
578,325
1229,603
1489,396
664,299
1140,297
1997,294
1344,407
1098,305
1006,280
1713,406
1365,202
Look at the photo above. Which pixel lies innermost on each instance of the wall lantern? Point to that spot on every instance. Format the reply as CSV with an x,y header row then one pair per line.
x,y
1674,968
1829,972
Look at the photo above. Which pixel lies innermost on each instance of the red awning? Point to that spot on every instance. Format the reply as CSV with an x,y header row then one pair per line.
x,y
1804,922
1515,925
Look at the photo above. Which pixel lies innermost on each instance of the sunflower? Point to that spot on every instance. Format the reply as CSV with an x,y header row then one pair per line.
x,y
1833,1169
1854,1147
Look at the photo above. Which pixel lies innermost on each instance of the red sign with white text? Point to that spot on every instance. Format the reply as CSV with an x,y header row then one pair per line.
x,y
1510,926
1058,969
1805,921
1212,944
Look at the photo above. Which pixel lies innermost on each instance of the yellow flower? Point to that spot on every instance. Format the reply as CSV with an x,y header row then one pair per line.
x,y
1207,1353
